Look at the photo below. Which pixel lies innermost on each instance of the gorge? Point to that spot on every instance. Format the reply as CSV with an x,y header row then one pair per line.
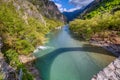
x,y
69,59
64,50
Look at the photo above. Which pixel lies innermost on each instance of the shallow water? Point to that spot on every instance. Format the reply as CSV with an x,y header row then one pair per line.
x,y
69,59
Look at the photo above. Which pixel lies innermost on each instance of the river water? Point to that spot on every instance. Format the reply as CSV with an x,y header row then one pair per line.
x,y
69,59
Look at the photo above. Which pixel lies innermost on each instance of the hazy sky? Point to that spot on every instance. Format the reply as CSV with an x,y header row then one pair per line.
x,y
71,5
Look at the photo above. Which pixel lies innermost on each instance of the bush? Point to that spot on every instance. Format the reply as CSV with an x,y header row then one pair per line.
x,y
20,37
97,24
104,6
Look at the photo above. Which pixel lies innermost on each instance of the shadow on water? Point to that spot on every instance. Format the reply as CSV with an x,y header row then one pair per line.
x,y
44,63
47,60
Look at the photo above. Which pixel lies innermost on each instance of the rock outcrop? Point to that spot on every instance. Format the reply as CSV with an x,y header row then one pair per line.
x,y
6,71
29,14
111,72
48,9
112,44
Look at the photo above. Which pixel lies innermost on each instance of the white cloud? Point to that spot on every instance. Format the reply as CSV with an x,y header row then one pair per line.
x,y
80,3
73,9
60,7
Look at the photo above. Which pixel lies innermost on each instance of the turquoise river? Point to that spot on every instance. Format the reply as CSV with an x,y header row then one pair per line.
x,y
67,58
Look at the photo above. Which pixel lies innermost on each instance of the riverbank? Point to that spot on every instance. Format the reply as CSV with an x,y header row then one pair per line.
x,y
29,63
111,43
6,71
111,72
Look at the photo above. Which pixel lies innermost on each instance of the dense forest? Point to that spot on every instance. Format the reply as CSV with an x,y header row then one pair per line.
x,y
103,20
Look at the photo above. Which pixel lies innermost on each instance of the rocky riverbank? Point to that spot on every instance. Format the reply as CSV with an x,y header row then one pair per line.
x,y
29,61
9,73
6,71
111,72
112,44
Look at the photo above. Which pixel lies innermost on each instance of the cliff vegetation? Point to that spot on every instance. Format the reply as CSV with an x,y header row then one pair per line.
x,y
22,28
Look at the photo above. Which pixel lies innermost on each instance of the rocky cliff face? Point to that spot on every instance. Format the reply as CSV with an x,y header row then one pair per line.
x,y
48,9
38,9
24,23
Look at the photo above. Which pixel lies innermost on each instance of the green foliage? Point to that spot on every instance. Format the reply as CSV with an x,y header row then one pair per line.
x,y
26,74
52,24
97,24
20,37
12,58
104,6
1,76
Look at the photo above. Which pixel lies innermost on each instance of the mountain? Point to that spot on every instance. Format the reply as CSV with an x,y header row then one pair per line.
x,y
23,27
102,7
80,12
72,15
48,9
100,21
90,7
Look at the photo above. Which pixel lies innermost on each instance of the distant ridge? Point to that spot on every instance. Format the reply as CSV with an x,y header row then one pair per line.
x,y
81,12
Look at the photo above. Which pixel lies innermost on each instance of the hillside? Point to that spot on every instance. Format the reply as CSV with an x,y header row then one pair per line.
x,y
82,11
103,7
72,15
101,24
48,9
93,8
23,26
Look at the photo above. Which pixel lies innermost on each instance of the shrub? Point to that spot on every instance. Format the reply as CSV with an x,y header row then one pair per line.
x,y
97,24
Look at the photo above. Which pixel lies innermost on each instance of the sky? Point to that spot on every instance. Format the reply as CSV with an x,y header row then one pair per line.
x,y
71,5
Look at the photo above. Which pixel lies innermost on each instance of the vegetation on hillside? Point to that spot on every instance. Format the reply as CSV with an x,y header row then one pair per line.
x,y
87,28
20,37
103,7
97,22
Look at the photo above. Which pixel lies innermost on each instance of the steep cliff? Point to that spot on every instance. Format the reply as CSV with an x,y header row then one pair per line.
x,y
23,26
48,9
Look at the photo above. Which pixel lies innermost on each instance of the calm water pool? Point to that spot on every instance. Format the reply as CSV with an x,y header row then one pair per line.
x,y
69,59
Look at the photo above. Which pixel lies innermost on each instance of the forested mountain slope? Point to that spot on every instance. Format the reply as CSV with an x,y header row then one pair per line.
x,y
103,7
79,13
23,26
104,17
101,25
